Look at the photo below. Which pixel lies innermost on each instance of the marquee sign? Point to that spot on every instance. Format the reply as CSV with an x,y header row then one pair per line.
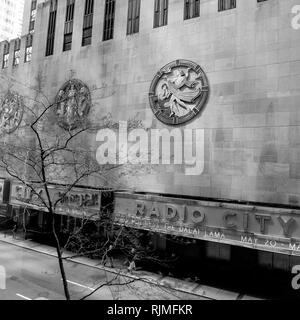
x,y
263,228
11,112
79,202
178,92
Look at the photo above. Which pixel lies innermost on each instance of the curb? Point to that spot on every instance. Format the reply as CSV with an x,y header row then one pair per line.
x,y
114,271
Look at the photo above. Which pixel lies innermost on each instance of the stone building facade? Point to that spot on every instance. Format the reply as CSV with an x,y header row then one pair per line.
x,y
250,57
249,53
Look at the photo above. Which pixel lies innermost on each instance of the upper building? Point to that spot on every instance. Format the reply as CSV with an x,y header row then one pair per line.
x,y
11,18
243,55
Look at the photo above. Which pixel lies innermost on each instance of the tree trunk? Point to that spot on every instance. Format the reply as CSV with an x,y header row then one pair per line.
x,y
62,271
60,260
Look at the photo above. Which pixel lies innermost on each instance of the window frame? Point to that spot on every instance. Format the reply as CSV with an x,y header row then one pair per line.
x,y
5,56
51,28
28,48
161,13
109,20
133,16
69,24
88,20
224,5
191,9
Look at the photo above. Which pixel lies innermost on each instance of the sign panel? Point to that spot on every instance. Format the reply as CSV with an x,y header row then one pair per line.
x,y
79,202
263,228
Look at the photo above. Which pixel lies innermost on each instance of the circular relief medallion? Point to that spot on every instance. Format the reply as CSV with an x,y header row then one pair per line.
x,y
178,92
73,103
11,112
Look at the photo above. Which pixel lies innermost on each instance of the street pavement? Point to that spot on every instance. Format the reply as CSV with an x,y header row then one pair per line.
x,y
31,275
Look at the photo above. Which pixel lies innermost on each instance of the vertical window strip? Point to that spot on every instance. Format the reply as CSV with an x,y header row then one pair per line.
x,y
68,30
51,28
227,4
33,5
88,22
17,44
197,8
32,15
186,9
28,48
130,17
137,16
156,13
165,13
16,60
133,19
109,16
5,55
160,13
111,19
191,9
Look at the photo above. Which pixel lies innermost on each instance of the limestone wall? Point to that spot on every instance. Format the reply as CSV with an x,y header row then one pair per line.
x,y
251,58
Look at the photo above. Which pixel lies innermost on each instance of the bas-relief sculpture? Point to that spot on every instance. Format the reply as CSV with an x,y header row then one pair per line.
x,y
178,92
11,112
73,103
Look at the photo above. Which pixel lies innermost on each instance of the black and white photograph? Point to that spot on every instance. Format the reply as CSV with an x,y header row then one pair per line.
x,y
149,151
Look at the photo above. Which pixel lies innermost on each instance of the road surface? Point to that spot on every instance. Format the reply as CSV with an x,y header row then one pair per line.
x,y
31,275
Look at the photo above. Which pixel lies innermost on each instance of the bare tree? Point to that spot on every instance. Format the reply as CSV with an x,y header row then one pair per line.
x,y
41,153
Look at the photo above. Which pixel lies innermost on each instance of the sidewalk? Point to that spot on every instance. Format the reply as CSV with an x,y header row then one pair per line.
x,y
167,282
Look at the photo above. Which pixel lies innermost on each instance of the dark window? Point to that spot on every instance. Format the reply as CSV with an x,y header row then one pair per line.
x,y
5,56
28,48
88,23
32,15
160,13
68,31
109,19
16,60
133,20
51,28
191,9
227,4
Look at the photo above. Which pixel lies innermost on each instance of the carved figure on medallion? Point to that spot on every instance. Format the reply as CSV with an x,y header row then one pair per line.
x,y
73,103
178,92
11,112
